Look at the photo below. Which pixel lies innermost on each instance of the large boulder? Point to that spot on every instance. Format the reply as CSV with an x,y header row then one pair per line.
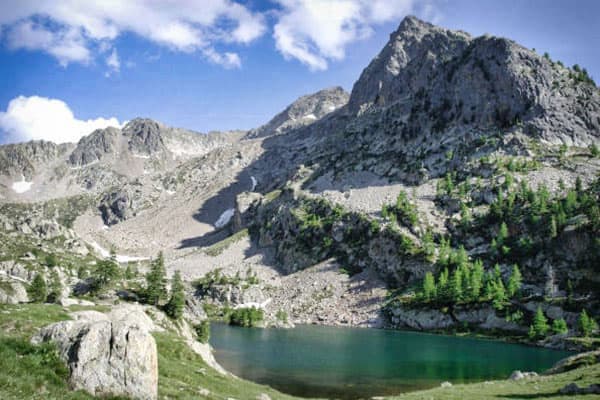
x,y
12,292
108,354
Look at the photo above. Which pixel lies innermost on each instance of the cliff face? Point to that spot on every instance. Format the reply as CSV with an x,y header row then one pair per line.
x,y
455,80
304,111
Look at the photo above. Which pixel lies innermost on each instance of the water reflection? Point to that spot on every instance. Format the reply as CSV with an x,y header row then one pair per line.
x,y
352,363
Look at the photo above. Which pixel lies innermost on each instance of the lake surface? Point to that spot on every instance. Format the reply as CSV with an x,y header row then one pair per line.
x,y
351,363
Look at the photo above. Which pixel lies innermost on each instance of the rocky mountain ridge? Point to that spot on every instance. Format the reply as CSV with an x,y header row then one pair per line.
x,y
444,142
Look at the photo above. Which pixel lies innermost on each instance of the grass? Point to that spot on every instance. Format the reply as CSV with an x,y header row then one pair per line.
x,y
35,372
219,247
183,373
542,387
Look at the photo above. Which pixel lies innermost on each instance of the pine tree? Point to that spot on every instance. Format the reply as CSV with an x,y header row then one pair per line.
x,y
514,282
498,294
540,323
476,280
37,290
55,287
442,286
156,281
174,308
429,290
107,271
456,285
559,326
587,325
553,229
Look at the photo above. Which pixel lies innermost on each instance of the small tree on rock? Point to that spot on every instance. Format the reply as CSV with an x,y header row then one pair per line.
x,y
156,281
55,287
540,327
38,291
587,325
515,281
559,326
429,290
174,308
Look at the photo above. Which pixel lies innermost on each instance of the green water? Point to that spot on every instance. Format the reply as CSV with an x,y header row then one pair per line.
x,y
348,363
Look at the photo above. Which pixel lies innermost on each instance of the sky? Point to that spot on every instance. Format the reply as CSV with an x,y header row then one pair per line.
x,y
68,67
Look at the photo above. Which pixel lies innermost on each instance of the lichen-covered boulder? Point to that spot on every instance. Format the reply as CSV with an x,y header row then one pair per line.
x,y
108,354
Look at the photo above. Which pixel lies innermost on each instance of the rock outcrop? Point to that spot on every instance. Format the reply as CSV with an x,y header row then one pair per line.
x,y
449,79
108,354
304,111
12,291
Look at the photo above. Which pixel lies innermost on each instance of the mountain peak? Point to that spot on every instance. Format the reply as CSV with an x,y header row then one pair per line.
x,y
304,111
484,82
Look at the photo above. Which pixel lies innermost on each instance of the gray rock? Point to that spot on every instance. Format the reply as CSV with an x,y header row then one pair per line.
x,y
112,354
117,206
446,384
304,111
12,292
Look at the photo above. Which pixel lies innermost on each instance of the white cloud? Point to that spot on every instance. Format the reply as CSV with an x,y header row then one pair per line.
x,y
113,62
35,118
317,31
73,30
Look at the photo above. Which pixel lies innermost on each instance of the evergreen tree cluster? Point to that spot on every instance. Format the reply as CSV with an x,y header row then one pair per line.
x,y
156,292
468,282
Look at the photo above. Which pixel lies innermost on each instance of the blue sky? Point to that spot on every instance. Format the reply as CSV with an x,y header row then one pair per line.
x,y
237,64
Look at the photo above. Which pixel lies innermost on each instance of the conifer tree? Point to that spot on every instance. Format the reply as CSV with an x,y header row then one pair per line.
x,y
587,325
456,285
559,326
442,286
540,327
55,287
476,280
429,290
37,290
498,294
174,308
514,282
156,281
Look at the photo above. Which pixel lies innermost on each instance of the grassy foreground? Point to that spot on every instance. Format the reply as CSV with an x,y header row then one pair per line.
x,y
35,372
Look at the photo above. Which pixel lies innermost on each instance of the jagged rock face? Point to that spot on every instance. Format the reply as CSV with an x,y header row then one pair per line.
x,y
22,158
144,136
95,146
112,354
12,292
304,111
117,206
442,78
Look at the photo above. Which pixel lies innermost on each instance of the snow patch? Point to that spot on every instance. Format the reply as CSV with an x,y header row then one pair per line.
x,y
120,258
225,218
310,116
255,305
331,108
22,186
254,183
170,192
141,156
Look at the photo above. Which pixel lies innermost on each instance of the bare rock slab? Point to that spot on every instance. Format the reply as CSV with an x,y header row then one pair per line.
x,y
107,354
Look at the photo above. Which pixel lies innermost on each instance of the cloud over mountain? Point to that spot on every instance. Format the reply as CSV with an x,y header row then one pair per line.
x,y
75,31
35,118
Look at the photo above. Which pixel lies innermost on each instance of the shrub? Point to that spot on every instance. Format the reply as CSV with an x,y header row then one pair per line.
x,y
156,281
282,316
587,325
38,291
540,327
174,308
559,326
246,317
203,331
106,272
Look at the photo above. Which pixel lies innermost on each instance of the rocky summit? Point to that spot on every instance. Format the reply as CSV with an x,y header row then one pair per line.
x,y
455,189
